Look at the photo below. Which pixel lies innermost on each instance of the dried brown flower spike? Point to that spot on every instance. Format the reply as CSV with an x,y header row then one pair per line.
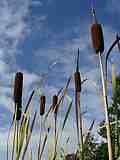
x,y
18,87
77,76
54,104
42,105
77,81
97,34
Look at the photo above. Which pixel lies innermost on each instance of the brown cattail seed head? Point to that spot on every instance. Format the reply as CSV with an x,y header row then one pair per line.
x,y
55,101
77,81
18,86
97,37
42,105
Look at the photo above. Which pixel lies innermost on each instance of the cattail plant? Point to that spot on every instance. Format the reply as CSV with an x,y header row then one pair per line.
x,y
42,111
77,105
18,87
97,35
54,104
98,45
42,105
55,110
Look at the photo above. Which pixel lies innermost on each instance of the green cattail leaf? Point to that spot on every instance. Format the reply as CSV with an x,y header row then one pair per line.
x,y
29,136
43,147
89,132
113,80
22,135
68,111
30,155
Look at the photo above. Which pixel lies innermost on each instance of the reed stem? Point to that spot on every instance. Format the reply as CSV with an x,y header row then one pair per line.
x,y
13,147
55,115
39,147
106,108
80,124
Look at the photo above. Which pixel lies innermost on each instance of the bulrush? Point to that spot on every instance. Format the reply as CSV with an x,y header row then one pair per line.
x,y
77,76
54,103
77,81
18,87
42,105
97,34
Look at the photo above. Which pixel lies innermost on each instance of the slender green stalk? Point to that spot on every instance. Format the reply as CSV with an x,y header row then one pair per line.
x,y
78,107
77,119
39,147
55,117
106,109
81,126
17,136
9,134
27,107
29,136
44,142
13,147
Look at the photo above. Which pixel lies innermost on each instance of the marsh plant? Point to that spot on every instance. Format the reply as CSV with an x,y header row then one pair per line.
x,y
87,148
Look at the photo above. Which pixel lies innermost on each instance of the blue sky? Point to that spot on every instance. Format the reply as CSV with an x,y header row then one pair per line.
x,y
41,38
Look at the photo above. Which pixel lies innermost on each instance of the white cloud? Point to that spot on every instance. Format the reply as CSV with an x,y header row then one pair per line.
x,y
13,29
37,3
7,102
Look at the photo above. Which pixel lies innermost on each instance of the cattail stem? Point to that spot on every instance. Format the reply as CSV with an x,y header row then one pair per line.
x,y
55,115
39,147
81,126
106,109
45,140
55,109
77,119
13,147
77,105
42,111
17,136
12,124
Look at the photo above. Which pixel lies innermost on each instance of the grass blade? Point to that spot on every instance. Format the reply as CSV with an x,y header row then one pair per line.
x,y
29,136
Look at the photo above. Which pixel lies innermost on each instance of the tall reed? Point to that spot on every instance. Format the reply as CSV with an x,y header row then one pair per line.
x,y
55,109
42,111
98,45
18,87
77,106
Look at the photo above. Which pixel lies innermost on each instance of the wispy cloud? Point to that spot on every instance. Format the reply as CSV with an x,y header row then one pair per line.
x,y
36,3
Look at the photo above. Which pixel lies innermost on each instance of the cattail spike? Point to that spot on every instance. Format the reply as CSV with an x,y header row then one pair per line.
x,y
97,34
77,81
54,103
77,75
18,87
42,105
